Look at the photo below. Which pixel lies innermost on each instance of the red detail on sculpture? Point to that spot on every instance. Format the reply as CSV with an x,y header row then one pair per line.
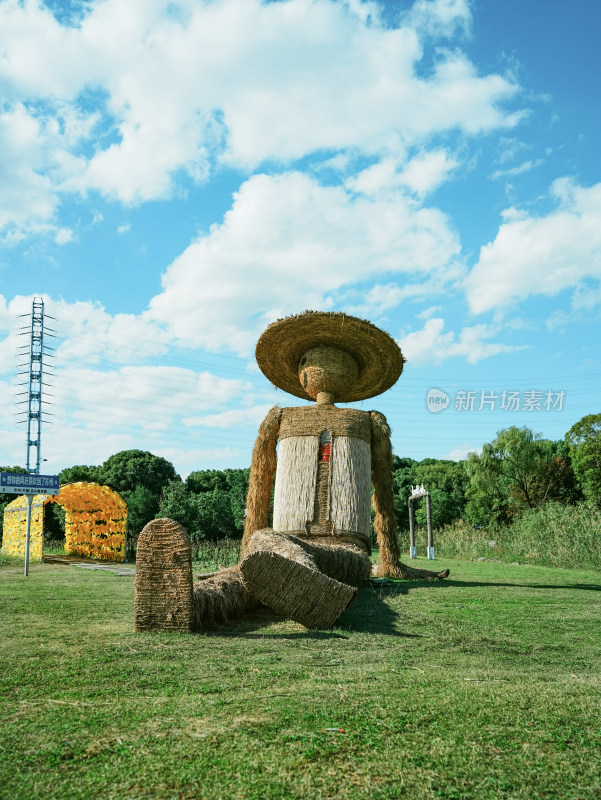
x,y
325,452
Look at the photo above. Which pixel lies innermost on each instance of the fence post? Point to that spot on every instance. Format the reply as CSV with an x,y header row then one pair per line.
x,y
430,534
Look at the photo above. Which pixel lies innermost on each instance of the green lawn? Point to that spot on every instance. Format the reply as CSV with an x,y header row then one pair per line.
x,y
483,686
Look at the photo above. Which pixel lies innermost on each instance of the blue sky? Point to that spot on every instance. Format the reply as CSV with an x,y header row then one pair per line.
x,y
176,175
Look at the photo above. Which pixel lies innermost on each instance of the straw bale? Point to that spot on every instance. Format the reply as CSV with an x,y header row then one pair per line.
x,y
312,420
348,563
350,490
220,599
383,502
163,584
319,601
261,475
341,487
295,482
287,546
294,589
327,369
284,343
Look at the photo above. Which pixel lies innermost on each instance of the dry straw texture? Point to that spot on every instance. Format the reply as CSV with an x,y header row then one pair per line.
x,y
344,561
383,498
312,420
163,586
324,497
350,490
294,590
262,471
295,482
283,344
302,580
221,598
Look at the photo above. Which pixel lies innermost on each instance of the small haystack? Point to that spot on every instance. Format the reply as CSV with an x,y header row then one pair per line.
x,y
163,586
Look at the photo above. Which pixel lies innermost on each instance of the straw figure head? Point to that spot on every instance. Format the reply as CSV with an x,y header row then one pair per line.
x,y
328,356
327,373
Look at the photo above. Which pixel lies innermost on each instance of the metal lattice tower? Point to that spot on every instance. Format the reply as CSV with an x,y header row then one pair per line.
x,y
36,372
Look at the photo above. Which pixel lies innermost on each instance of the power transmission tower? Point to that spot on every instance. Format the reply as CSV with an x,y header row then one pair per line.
x,y
36,371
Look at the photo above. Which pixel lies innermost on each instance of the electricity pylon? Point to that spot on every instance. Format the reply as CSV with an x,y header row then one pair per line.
x,y
36,371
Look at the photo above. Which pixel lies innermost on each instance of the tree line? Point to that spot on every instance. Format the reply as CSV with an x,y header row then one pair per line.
x,y
517,471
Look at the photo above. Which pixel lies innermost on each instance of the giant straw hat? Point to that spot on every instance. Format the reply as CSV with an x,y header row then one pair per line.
x,y
283,344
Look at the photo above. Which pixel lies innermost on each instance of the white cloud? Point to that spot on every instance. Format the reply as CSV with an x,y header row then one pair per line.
x,y
234,418
27,197
432,345
461,452
124,228
289,243
520,169
63,236
86,331
534,255
421,174
441,17
143,397
138,94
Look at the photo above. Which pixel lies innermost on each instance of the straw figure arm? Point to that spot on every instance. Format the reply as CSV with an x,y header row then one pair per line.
x,y
383,502
262,470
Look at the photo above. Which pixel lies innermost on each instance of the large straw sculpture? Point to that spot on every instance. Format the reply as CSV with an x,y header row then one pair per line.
x,y
308,564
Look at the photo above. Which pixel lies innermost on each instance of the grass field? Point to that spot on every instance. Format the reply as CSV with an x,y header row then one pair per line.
x,y
482,686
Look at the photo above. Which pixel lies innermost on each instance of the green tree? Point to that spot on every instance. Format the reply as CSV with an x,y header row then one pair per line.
x,y
447,483
516,471
237,483
142,506
205,480
127,470
584,441
218,484
215,517
139,477
80,472
402,479
179,504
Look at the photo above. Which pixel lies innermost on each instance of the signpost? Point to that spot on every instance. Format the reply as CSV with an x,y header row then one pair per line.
x,y
29,485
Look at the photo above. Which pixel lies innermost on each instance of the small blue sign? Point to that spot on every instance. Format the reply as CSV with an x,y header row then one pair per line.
x,y
16,483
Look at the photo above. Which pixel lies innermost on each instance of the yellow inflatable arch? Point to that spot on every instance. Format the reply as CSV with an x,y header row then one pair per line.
x,y
95,522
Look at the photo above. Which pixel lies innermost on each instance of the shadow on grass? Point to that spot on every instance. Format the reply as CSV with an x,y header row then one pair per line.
x,y
369,613
403,587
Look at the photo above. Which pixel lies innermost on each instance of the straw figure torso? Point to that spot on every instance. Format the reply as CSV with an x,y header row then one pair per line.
x,y
308,563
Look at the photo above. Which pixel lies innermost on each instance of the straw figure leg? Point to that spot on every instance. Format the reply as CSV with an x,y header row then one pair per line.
x,y
282,571
224,597
221,598
390,565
